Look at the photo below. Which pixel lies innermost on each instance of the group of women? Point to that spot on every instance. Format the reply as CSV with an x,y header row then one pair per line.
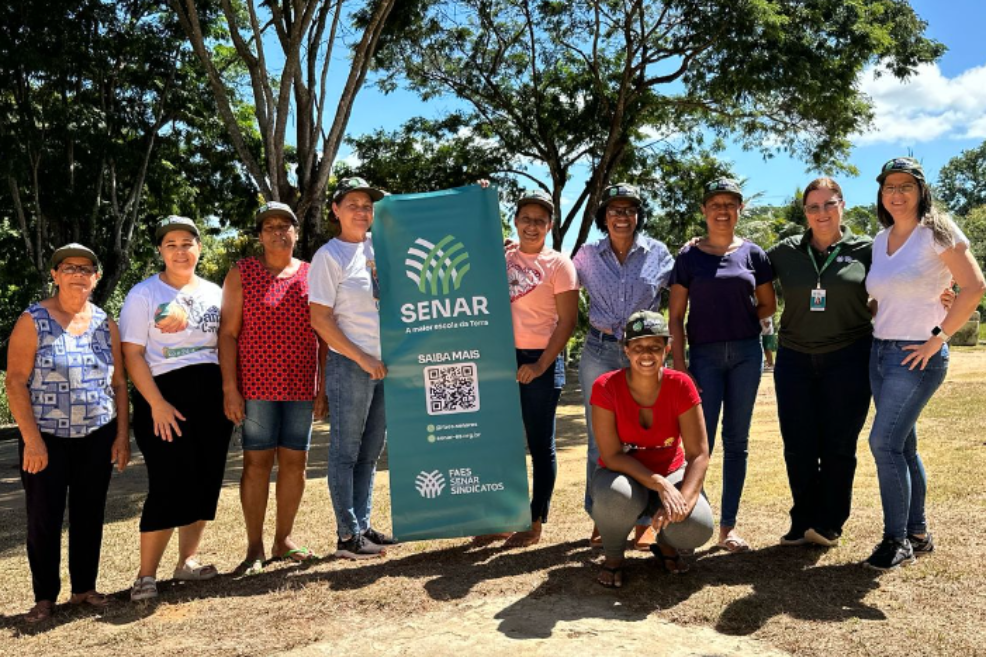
x,y
860,317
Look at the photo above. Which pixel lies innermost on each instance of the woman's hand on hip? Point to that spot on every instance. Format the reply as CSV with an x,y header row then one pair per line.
x,y
35,456
166,418
921,353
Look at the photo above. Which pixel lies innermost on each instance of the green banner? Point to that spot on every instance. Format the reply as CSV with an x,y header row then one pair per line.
x,y
454,432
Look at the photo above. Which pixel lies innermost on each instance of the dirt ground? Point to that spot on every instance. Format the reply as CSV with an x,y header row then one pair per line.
x,y
445,598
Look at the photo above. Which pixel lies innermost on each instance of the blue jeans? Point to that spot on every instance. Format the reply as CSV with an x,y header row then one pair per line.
x,y
357,432
728,374
600,354
272,424
538,404
900,395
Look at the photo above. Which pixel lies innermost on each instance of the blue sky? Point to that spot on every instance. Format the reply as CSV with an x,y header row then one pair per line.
x,y
938,113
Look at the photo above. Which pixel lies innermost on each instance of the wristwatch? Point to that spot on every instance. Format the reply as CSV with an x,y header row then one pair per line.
x,y
938,332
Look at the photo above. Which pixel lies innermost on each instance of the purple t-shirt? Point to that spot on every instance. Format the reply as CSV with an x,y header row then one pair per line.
x,y
721,292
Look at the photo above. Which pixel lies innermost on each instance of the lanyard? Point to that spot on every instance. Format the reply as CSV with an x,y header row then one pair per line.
x,y
832,256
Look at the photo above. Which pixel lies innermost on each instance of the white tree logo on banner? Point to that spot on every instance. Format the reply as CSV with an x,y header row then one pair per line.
x,y
430,484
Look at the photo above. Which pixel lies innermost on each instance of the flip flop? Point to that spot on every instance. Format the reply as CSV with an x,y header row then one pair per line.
x,y
250,567
302,554
615,571
673,563
192,570
91,599
40,612
733,545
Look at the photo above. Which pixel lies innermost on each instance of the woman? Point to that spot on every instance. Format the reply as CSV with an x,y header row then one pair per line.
x,y
270,356
343,298
728,283
68,395
821,375
653,452
623,272
544,304
170,328
918,253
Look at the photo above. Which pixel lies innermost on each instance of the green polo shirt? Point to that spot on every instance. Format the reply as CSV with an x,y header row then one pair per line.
x,y
846,317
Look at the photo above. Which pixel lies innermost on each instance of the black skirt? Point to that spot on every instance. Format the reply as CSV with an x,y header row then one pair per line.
x,y
184,476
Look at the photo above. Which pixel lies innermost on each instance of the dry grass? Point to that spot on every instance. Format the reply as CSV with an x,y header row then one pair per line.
x,y
803,600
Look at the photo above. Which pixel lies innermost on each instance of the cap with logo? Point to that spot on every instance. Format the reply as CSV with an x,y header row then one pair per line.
x,y
906,165
537,197
618,192
645,324
722,186
356,184
174,222
73,250
275,209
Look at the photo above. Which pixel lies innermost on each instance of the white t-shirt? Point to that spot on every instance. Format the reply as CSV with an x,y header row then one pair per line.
x,y
342,276
908,285
176,328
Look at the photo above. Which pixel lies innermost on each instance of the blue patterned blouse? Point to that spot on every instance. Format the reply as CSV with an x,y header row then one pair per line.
x,y
616,290
71,390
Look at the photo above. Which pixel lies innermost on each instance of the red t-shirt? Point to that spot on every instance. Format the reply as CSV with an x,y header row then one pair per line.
x,y
277,348
659,448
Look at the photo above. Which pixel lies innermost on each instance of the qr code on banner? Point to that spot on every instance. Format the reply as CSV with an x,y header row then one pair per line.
x,y
452,389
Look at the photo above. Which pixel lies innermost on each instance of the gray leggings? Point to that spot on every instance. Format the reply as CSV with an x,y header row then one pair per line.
x,y
618,500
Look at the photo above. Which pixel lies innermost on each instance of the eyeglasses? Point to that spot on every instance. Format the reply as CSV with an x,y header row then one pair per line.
x,y
354,208
890,190
72,270
531,221
621,212
827,206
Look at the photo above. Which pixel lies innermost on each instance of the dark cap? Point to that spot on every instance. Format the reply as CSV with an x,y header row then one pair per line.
x,y
174,222
537,197
722,186
347,185
73,250
906,165
645,324
275,209
617,192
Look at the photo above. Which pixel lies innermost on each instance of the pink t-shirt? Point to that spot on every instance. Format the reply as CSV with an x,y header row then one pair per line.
x,y
535,279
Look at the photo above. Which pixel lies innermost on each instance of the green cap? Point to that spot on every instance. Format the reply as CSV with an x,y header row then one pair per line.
x,y
356,184
174,222
73,250
722,186
275,209
537,197
906,165
619,191
645,324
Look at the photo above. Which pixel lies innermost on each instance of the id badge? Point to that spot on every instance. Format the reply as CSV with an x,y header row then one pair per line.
x,y
817,300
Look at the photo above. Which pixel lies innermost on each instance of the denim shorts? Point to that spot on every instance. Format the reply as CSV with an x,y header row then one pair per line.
x,y
270,424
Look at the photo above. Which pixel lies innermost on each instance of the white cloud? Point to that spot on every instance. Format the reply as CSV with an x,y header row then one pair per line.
x,y
925,107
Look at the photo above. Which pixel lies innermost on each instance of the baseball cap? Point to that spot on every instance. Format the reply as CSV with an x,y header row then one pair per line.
x,y
537,197
356,184
619,191
174,222
645,324
275,209
902,165
72,250
722,186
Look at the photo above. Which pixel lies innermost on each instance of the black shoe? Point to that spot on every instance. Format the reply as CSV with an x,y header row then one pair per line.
x,y
357,547
890,554
793,538
823,537
922,545
379,538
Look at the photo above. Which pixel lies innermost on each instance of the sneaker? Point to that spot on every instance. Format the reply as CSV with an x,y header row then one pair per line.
x,y
890,554
144,588
793,538
379,538
823,537
357,547
922,545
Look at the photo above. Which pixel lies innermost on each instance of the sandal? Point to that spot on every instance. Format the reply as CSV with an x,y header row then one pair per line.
x,y
144,588
250,567
298,555
616,577
91,598
40,612
192,570
673,563
733,545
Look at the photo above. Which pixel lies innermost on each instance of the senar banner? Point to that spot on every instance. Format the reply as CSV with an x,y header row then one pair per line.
x,y
454,431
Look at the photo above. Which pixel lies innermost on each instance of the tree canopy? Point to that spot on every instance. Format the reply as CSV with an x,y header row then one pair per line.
x,y
962,181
